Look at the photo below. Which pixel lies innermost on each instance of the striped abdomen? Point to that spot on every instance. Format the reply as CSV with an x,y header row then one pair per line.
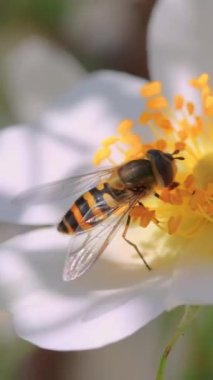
x,y
90,209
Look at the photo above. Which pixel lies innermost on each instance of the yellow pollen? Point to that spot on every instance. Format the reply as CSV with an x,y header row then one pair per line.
x,y
208,105
178,102
196,199
210,188
190,107
199,122
157,117
157,103
206,91
109,141
125,126
200,82
180,145
183,135
101,155
144,118
186,207
161,144
173,224
143,215
166,125
189,183
131,139
209,209
151,89
134,152
173,197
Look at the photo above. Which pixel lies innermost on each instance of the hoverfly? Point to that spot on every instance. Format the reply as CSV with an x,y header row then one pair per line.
x,y
100,202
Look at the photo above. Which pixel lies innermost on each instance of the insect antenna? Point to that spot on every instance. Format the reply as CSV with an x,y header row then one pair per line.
x,y
176,151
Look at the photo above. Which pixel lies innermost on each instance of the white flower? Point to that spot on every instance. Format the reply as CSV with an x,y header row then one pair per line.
x,y
118,295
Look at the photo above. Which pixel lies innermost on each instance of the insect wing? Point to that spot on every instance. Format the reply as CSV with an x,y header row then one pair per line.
x,y
86,248
71,187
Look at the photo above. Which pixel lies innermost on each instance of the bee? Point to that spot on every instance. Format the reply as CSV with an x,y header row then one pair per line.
x,y
100,203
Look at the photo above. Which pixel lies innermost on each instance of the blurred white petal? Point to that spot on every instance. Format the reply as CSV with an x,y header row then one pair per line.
x,y
118,291
192,280
180,42
9,230
36,72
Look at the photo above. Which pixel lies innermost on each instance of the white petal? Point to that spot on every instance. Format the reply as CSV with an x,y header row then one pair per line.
x,y
65,142
114,299
180,42
192,280
35,73
96,105
9,230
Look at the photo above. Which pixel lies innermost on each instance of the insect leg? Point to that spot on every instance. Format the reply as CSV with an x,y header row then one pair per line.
x,y
131,243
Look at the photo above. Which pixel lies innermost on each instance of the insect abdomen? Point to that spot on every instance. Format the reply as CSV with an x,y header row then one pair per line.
x,y
90,209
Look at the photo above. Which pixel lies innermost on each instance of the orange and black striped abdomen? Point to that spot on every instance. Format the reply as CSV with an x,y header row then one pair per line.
x,y
89,209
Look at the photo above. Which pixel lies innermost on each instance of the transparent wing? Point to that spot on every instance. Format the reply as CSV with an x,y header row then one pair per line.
x,y
70,187
85,248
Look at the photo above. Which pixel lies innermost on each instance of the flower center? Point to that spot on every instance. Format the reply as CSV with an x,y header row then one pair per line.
x,y
186,209
203,171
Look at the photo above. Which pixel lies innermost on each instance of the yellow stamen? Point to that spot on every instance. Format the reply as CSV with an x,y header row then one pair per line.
x,y
183,134
161,144
173,224
208,105
178,102
188,208
206,91
109,141
131,139
151,89
189,183
190,107
144,118
210,188
136,152
144,215
180,145
200,82
173,197
166,125
125,126
101,155
157,103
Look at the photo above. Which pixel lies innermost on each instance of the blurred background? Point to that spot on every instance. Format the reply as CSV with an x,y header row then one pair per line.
x,y
46,46
67,38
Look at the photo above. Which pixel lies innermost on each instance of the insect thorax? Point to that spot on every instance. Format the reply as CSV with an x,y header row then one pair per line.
x,y
137,174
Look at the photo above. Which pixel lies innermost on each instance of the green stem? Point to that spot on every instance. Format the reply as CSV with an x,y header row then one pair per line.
x,y
189,314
